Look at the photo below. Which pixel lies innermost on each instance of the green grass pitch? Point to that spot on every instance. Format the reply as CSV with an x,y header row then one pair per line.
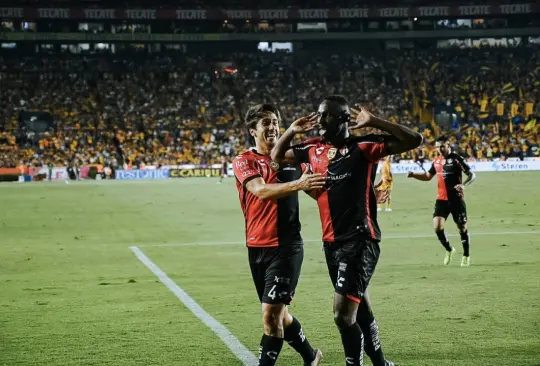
x,y
73,293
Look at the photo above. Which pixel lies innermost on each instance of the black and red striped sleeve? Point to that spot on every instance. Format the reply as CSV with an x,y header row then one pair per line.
x,y
301,151
374,147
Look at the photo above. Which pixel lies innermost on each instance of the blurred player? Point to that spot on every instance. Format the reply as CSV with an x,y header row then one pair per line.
x,y
385,185
275,246
448,167
348,210
224,168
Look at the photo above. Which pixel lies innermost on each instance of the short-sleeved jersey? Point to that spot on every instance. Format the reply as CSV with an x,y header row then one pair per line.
x,y
449,171
347,206
269,223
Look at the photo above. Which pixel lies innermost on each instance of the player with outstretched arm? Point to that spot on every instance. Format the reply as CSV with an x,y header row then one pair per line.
x,y
448,167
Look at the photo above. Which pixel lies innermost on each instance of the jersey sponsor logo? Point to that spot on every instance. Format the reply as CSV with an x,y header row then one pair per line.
x,y
331,153
248,173
449,161
334,177
241,164
285,280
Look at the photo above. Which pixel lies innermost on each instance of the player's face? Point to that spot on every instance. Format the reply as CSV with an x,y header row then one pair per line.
x,y
333,118
443,148
267,129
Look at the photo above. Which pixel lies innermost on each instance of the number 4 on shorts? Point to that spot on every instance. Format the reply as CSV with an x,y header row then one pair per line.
x,y
272,293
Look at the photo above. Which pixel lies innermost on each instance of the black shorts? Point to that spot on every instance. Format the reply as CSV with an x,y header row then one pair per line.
x,y
351,265
457,208
275,272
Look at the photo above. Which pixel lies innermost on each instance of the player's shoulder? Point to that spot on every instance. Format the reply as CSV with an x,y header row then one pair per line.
x,y
247,154
244,158
309,143
372,138
455,157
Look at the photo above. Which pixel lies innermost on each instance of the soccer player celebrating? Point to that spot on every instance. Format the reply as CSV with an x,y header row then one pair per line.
x,y
269,199
348,210
385,185
448,167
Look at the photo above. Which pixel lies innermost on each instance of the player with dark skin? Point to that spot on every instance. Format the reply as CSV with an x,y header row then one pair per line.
x,y
333,117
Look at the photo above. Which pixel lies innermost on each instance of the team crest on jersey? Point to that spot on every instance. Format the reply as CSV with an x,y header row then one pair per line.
x,y
449,161
331,153
274,166
343,151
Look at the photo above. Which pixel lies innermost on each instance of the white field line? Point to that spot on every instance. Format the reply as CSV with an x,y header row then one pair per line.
x,y
239,350
389,237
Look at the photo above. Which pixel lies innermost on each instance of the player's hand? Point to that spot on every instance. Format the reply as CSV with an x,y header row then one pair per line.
x,y
459,188
308,181
305,124
360,117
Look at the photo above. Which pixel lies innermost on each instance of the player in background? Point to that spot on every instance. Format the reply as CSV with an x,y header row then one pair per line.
x,y
224,168
269,199
348,210
385,185
448,167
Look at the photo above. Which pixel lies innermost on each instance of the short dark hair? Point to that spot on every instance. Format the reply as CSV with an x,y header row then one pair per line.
x,y
338,99
442,139
256,112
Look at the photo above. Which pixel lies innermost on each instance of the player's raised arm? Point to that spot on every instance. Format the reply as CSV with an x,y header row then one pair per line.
x,y
283,153
427,176
403,138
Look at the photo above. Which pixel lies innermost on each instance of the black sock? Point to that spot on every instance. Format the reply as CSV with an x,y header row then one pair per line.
x,y
269,350
465,240
370,329
353,344
294,335
444,240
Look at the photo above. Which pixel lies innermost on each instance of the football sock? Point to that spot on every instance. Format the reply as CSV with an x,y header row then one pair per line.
x,y
370,330
294,336
465,240
269,350
444,240
353,344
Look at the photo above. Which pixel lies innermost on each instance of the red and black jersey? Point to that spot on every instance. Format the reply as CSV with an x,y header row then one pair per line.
x,y
347,206
268,223
449,171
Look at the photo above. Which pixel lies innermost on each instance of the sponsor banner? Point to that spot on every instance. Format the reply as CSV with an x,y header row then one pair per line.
x,y
10,171
150,174
480,166
195,172
149,14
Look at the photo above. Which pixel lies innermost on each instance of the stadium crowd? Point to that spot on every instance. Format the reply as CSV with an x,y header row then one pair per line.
x,y
168,109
